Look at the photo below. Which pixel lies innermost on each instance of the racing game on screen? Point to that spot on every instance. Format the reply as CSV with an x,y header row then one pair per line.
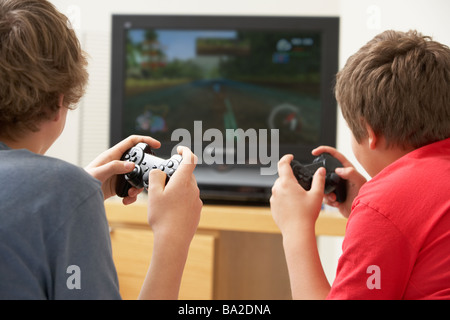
x,y
227,79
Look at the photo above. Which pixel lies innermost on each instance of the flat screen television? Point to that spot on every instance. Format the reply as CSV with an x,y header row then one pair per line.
x,y
240,91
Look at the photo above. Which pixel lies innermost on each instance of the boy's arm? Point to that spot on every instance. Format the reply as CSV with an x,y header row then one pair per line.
x,y
307,278
376,261
173,214
295,211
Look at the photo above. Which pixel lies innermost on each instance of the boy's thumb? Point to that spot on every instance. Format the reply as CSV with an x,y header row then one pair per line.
x,y
318,183
104,172
156,180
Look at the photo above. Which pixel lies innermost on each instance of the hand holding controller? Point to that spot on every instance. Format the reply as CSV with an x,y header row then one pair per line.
x,y
333,183
144,161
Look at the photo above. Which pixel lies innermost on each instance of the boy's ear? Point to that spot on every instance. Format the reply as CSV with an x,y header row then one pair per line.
x,y
61,100
373,139
60,105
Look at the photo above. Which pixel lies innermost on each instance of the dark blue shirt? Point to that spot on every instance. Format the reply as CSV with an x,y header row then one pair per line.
x,y
54,236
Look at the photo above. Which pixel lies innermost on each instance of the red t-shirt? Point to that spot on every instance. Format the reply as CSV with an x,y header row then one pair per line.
x,y
397,242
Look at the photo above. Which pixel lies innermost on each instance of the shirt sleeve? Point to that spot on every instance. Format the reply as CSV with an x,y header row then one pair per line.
x,y
376,261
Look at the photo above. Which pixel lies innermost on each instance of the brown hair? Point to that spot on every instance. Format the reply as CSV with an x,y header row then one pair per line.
x,y
40,59
399,84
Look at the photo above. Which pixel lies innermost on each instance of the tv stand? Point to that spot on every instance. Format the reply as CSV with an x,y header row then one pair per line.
x,y
238,186
237,252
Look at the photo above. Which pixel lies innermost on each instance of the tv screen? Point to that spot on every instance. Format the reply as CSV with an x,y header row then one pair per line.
x,y
176,78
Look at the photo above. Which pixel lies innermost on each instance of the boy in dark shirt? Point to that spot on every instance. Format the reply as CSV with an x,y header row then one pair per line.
x,y
52,218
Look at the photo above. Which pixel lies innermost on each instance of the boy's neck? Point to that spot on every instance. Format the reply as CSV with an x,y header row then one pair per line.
x,y
28,142
393,154
40,141
385,156
35,141
374,153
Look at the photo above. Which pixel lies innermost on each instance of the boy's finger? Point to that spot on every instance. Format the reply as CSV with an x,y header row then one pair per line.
x,y
120,148
284,166
325,149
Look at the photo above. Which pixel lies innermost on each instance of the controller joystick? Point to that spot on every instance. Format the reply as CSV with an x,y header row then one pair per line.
x,y
144,161
333,183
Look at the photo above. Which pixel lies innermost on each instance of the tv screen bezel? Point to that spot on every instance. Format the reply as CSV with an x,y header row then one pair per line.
x,y
327,26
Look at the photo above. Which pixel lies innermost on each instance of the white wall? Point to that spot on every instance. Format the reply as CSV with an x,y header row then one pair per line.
x,y
87,130
361,20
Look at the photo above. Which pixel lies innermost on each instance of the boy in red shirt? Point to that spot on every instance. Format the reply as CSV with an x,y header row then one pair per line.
x,y
395,96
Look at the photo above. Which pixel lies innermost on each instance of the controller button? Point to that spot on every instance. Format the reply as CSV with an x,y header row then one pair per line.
x,y
170,164
334,179
135,172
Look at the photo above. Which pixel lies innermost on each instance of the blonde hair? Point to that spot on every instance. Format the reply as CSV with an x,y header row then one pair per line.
x,y
40,59
399,84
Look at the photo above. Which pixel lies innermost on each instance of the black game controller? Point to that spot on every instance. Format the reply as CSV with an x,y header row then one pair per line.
x,y
333,183
144,161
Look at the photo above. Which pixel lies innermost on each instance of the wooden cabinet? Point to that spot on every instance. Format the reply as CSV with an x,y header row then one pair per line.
x,y
237,252
132,249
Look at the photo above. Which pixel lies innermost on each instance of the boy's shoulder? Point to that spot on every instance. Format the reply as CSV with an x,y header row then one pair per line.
x,y
424,165
25,172
423,170
44,191
412,191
